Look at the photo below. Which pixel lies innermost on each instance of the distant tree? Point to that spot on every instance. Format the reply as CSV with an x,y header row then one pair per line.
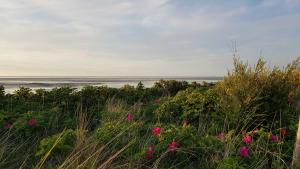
x,y
171,87
140,86
23,93
2,95
2,91
90,96
41,97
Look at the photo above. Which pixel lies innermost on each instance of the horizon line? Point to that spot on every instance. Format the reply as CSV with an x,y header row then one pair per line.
x,y
183,76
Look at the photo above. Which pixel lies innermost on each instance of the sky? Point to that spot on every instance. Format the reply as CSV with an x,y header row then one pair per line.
x,y
144,37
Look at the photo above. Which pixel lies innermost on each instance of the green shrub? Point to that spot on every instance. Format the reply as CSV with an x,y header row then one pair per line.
x,y
231,163
259,93
57,145
170,87
199,108
108,130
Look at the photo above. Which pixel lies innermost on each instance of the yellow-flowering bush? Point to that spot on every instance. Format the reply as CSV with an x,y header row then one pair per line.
x,y
258,94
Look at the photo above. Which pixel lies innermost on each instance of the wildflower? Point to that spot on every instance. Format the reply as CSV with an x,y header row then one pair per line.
x,y
149,152
282,131
173,146
247,139
7,126
221,136
156,131
290,100
129,117
244,151
274,138
32,122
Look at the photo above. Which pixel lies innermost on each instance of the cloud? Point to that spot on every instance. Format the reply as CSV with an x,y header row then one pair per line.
x,y
276,3
293,2
109,37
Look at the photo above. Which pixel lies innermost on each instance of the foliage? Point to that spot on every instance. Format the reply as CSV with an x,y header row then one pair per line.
x,y
170,87
58,144
2,92
259,92
197,125
199,108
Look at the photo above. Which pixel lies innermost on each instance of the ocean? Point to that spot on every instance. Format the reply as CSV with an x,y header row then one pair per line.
x,y
13,83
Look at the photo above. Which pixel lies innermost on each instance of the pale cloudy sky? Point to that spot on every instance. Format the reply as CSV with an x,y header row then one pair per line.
x,y
143,37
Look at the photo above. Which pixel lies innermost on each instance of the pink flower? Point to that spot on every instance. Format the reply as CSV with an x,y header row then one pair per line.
x,y
129,117
274,138
7,126
32,122
149,152
221,136
247,139
290,100
156,131
244,151
283,132
173,146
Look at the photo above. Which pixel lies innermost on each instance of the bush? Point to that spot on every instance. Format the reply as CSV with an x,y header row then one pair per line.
x,y
108,130
199,108
170,87
57,145
259,93
2,93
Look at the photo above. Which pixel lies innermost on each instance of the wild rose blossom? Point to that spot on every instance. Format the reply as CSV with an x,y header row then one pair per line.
x,y
156,131
173,146
32,122
149,152
282,131
247,139
129,117
244,151
221,136
274,138
290,100
7,126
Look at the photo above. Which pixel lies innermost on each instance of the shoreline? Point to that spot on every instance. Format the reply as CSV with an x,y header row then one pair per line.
x,y
12,83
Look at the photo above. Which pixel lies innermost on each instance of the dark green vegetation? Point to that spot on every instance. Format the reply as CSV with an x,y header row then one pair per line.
x,y
248,120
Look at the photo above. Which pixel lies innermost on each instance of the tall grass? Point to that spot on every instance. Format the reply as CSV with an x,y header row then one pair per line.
x,y
88,152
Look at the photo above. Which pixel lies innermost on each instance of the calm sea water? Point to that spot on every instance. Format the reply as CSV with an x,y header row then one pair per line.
x,y
13,83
